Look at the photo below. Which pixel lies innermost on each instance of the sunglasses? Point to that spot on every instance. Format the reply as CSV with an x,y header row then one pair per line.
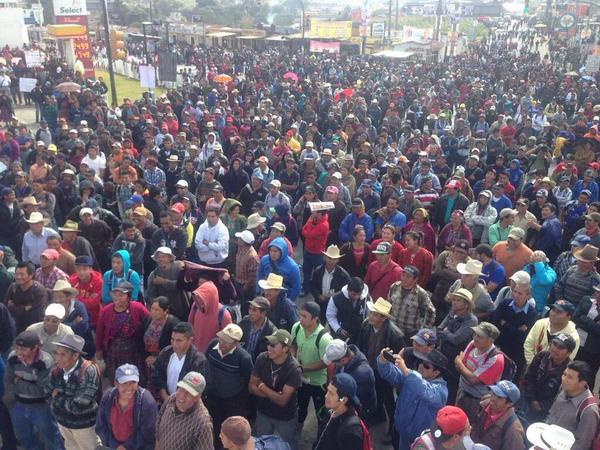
x,y
427,366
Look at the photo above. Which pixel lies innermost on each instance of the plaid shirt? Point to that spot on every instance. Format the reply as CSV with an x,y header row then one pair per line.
x,y
191,430
155,177
48,280
412,311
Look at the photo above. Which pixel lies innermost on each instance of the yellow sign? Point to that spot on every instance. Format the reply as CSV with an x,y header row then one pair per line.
x,y
320,29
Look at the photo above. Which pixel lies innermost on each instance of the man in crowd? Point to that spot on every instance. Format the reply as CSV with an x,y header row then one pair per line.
x,y
26,299
256,326
328,279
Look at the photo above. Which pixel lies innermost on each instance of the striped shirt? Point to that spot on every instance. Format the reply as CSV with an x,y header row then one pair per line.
x,y
191,430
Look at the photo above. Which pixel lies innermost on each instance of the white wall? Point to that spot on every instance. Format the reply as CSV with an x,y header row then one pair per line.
x,y
12,29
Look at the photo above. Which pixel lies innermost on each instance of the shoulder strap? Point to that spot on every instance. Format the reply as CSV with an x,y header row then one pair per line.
x,y
319,336
295,336
511,419
585,404
220,316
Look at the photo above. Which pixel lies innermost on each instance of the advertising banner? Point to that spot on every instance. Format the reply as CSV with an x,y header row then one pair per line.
x,y
320,29
324,47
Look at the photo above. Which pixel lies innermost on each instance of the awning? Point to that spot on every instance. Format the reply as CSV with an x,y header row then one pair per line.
x,y
395,54
249,38
66,30
278,38
220,34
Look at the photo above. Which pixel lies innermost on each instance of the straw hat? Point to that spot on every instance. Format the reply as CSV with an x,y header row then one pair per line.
x,y
381,306
333,252
462,294
273,281
254,220
36,217
69,225
29,201
589,253
64,286
471,267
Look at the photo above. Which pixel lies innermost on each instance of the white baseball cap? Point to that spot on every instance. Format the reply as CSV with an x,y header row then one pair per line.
x,y
55,310
335,351
246,236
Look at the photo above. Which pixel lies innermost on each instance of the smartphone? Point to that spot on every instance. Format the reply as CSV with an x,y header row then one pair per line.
x,y
388,355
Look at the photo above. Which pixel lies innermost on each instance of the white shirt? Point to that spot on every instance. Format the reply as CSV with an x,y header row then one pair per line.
x,y
173,370
326,283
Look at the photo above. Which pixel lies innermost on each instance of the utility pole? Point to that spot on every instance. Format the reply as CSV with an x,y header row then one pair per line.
x,y
144,24
389,23
397,14
111,71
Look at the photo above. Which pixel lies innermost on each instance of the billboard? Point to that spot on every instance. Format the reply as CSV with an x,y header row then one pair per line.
x,y
70,8
324,47
320,29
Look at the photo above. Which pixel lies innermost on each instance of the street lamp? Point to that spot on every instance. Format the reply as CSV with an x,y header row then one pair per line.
x,y
144,25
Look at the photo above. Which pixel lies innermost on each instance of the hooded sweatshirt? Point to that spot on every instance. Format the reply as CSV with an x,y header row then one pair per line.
x,y
110,280
515,175
204,315
284,266
90,294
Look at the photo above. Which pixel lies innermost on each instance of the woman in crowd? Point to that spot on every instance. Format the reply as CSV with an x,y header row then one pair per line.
x,y
356,253
420,223
454,231
416,255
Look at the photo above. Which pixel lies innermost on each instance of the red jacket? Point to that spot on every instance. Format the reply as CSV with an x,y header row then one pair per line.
x,y
397,247
380,279
90,294
315,235
422,260
103,330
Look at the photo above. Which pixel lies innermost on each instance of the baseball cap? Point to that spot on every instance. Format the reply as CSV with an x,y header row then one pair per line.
x,y
28,339
507,212
332,189
193,382
260,303
50,254
486,329
383,248
84,260
246,236
182,183
335,351
279,226
542,193
178,208
346,387
140,211
563,305
136,199
412,270
126,373
275,183
280,337
425,336
593,216
125,287
231,333
580,240
564,340
516,233
506,389
586,192
85,211
55,310
450,420
453,184
521,277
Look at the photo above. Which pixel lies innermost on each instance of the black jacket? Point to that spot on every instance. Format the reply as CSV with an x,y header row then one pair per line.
x,y
340,433
194,362
391,337
439,210
542,381
165,336
592,344
261,346
9,222
340,279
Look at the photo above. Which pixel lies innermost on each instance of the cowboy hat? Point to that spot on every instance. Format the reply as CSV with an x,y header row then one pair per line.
x,y
462,294
333,252
29,201
381,306
589,253
254,220
471,267
69,225
273,281
36,217
549,437
64,286
72,342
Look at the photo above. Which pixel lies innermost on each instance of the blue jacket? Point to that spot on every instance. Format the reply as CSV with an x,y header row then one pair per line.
x,y
363,374
81,328
592,187
284,266
504,202
144,421
549,238
542,280
350,221
111,281
418,401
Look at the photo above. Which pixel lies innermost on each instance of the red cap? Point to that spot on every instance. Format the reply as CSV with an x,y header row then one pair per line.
x,y
50,254
451,420
453,184
229,119
289,133
178,208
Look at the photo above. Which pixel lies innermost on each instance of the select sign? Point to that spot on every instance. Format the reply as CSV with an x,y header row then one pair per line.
x,y
70,8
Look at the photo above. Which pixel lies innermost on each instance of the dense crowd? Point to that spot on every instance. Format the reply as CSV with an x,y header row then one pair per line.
x,y
410,243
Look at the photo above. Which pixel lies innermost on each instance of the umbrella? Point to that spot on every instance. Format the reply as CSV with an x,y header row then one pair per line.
x,y
348,92
572,74
223,78
290,76
540,25
68,86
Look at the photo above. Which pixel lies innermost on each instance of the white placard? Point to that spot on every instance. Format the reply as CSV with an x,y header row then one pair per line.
x,y
27,84
592,64
34,58
147,77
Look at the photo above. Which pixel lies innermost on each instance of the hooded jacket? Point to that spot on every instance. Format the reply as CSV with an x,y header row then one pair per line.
x,y
351,220
217,249
204,315
363,374
110,280
315,235
135,248
418,401
285,266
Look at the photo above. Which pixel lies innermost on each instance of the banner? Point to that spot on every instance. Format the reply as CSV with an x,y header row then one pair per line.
x,y
147,77
70,8
81,44
320,29
27,84
324,47
34,58
378,29
416,34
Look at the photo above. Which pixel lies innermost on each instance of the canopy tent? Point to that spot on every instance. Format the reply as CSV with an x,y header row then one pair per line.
x,y
394,54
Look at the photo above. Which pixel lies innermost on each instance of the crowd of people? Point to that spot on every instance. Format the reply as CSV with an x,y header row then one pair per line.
x,y
405,243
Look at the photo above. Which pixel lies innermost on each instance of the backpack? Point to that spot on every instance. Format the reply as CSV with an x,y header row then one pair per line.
x,y
510,367
317,341
111,277
585,404
81,373
511,419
